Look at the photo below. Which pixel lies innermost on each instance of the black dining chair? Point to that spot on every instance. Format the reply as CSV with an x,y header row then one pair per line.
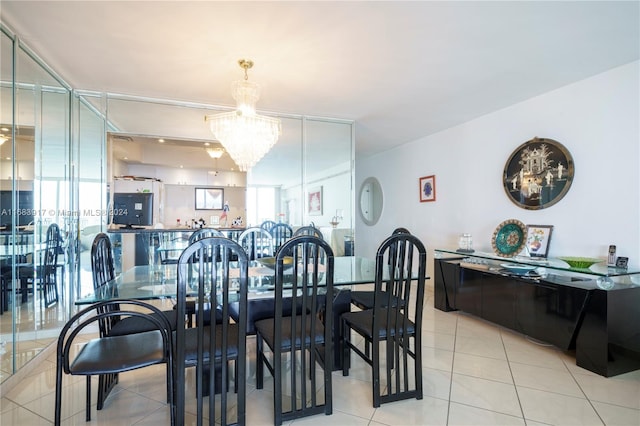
x,y
256,242
204,233
111,355
102,268
268,224
280,233
363,299
307,330
212,346
395,319
308,230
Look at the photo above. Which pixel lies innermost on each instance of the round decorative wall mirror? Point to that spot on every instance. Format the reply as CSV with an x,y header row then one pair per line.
x,y
538,174
371,201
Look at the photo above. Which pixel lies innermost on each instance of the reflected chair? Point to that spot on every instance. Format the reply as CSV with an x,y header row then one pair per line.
x,y
256,242
267,225
204,233
363,299
395,320
3,297
308,230
102,268
303,336
212,347
43,276
169,249
280,233
198,235
48,278
110,355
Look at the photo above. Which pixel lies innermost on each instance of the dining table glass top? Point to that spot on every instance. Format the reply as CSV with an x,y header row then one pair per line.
x,y
146,282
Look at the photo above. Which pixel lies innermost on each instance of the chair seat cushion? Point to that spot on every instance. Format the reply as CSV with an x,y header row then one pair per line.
x,y
133,325
259,309
191,343
362,322
267,331
119,353
364,299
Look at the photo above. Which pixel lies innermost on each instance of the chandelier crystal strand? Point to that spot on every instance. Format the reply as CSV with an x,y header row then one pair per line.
x,y
245,135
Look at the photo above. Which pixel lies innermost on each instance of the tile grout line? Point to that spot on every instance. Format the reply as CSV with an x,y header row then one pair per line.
x,y
513,379
583,392
453,360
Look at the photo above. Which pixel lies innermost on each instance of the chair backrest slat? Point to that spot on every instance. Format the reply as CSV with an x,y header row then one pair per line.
x,y
280,232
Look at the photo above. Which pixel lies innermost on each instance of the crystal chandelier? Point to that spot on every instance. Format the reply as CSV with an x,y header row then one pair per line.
x,y
215,152
245,135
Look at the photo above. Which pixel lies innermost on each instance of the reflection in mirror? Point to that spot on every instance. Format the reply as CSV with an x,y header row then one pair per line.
x,y
115,139
34,167
371,201
310,153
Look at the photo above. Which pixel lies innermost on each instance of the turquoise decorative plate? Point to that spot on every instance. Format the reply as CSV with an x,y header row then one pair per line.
x,y
509,238
518,269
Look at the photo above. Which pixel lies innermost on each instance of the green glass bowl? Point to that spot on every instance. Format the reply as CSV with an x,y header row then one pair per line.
x,y
270,262
580,262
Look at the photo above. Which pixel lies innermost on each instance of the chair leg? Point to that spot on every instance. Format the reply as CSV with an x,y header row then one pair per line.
x,y
418,367
171,391
88,401
259,362
328,390
375,373
277,387
346,349
58,413
102,378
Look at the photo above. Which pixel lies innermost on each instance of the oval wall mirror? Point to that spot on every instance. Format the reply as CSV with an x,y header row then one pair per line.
x,y
370,201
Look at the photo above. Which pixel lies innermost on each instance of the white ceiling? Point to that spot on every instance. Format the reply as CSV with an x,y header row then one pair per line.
x,y
401,70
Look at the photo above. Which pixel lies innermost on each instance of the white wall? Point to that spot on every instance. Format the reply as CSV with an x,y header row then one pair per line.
x,y
596,119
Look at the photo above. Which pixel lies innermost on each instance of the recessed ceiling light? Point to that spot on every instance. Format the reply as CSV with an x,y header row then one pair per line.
x,y
207,144
125,158
4,129
7,158
161,140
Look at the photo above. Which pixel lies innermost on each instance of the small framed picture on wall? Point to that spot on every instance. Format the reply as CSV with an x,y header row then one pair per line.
x,y
314,201
427,188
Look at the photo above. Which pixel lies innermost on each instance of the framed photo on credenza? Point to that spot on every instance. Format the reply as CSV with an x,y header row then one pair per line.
x,y
538,239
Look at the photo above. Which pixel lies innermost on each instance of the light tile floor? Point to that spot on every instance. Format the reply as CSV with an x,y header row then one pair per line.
x,y
475,373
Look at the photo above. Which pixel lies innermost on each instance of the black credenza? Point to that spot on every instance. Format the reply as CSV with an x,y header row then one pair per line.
x,y
569,311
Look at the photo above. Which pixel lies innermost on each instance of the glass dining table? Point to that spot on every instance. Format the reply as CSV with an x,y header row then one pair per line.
x,y
158,281
145,282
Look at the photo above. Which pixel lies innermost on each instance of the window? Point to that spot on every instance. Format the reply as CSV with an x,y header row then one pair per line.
x,y
261,205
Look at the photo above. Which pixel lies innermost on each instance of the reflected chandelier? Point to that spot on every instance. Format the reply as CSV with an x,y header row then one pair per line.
x,y
245,135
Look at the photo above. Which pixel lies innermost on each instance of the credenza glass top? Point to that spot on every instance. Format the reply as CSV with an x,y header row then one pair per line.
x,y
597,270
